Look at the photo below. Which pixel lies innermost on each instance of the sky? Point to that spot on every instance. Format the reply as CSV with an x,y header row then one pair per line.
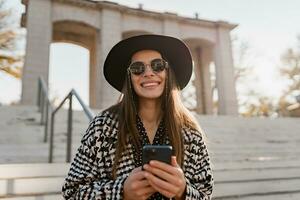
x,y
269,27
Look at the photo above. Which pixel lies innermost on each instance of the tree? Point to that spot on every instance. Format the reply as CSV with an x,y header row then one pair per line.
x,y
10,62
248,98
252,102
242,66
261,106
290,70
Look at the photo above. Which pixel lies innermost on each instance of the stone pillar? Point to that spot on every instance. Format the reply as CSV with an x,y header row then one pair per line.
x,y
202,82
208,96
95,71
225,82
206,59
198,81
39,37
111,33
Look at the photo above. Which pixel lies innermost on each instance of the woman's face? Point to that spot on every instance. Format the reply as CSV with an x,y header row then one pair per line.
x,y
148,85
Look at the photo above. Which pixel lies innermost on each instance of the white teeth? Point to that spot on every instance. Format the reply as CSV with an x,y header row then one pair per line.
x,y
149,84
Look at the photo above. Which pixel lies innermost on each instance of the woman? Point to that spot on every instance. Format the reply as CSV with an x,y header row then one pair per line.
x,y
149,70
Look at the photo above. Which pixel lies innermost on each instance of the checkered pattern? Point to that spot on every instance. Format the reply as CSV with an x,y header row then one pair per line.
x,y
90,175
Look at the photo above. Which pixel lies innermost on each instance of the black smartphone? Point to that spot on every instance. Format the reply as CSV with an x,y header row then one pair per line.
x,y
161,153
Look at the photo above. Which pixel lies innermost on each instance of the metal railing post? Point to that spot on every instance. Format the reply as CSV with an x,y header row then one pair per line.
x,y
47,106
46,122
42,108
69,133
51,138
39,95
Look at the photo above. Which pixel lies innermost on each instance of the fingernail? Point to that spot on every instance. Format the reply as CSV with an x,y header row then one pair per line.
x,y
152,162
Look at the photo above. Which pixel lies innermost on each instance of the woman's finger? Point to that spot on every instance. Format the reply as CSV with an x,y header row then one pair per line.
x,y
165,175
164,166
146,191
162,191
157,182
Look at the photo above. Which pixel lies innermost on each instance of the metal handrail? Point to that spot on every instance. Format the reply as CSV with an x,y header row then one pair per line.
x,y
44,105
86,110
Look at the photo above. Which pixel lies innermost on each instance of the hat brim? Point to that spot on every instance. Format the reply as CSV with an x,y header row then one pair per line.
x,y
173,49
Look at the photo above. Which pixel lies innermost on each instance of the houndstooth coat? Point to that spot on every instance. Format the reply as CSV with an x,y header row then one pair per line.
x,y
90,175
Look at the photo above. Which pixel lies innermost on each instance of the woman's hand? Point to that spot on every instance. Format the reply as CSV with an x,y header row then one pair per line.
x,y
169,180
136,186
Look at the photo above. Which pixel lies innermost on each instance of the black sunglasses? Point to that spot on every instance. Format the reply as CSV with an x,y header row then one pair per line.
x,y
157,65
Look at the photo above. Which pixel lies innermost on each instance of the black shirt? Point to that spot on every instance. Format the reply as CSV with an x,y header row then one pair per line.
x,y
160,138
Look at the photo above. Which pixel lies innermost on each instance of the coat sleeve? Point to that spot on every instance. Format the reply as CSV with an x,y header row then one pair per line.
x,y
85,180
199,177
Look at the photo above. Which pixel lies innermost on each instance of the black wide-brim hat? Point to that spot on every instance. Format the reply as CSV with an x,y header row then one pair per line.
x,y
172,49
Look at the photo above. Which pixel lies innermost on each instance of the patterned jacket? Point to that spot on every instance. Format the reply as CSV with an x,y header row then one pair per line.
x,y
90,175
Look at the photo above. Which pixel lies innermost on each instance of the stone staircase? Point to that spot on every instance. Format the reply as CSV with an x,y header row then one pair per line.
x,y
21,135
253,159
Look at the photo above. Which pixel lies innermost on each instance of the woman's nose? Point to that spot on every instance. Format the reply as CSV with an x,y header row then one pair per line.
x,y
148,70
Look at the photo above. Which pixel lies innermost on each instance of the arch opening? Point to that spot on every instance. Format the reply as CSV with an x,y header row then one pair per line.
x,y
68,70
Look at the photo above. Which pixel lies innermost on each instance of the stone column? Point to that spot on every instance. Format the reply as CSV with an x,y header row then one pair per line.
x,y
202,59
198,81
206,59
225,82
208,96
39,37
111,33
95,70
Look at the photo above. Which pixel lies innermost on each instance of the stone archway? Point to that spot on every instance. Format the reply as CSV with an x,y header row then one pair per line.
x,y
100,25
67,31
83,35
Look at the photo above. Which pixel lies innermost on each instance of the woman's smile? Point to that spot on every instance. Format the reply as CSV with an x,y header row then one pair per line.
x,y
150,84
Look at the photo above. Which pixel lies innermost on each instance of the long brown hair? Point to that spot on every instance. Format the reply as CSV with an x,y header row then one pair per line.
x,y
176,117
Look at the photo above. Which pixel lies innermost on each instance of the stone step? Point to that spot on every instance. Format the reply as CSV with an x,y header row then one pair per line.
x,y
236,189
267,164
256,174
21,180
258,145
242,159
25,186
55,196
276,196
260,156
33,170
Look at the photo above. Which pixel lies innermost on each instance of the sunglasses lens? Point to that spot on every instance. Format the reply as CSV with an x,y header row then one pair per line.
x,y
158,65
137,68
